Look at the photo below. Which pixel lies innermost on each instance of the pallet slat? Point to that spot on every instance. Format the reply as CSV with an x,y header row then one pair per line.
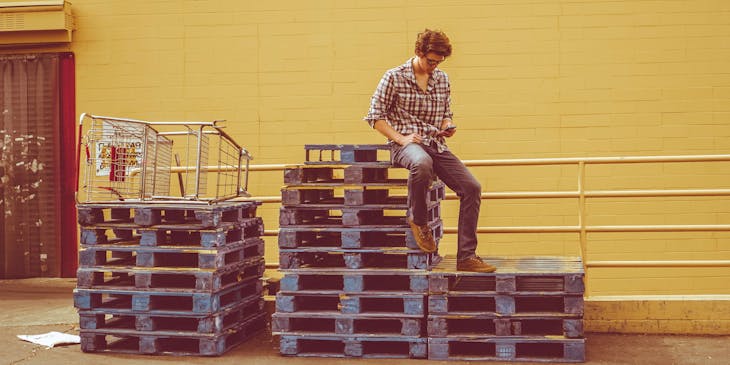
x,y
353,237
149,213
348,217
346,154
374,281
365,305
354,195
510,304
507,349
341,324
369,347
172,278
478,326
134,342
125,255
350,259
166,235
323,174
153,322
165,300
513,275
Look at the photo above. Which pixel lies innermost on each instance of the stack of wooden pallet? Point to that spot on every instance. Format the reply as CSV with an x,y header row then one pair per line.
x,y
163,278
531,309
355,284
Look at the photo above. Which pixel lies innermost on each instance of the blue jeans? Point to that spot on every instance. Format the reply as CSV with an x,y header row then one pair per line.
x,y
423,162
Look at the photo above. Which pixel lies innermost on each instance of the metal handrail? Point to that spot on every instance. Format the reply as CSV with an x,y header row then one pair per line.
x,y
582,194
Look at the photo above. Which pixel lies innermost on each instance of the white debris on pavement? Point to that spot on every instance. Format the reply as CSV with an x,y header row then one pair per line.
x,y
52,339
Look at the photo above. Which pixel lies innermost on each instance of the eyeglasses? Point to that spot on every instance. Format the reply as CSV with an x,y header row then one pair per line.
x,y
431,62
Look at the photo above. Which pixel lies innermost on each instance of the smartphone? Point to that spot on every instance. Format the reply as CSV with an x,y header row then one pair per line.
x,y
449,128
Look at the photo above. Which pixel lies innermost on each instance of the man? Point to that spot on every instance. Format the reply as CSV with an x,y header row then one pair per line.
x,y
411,107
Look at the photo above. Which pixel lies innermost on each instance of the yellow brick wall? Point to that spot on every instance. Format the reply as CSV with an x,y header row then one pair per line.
x,y
530,79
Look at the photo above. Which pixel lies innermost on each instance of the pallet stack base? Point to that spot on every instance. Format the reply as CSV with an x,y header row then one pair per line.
x,y
169,279
531,309
355,283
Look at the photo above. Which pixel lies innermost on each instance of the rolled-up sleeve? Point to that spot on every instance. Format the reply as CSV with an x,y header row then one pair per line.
x,y
382,100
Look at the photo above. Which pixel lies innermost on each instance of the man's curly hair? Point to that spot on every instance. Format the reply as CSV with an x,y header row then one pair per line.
x,y
434,41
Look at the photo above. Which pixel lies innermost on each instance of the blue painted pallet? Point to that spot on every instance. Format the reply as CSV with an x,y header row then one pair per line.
x,y
569,326
125,255
153,213
169,277
166,300
348,216
506,304
354,195
172,234
356,346
373,281
121,322
347,154
308,324
171,343
533,349
524,275
353,237
305,259
395,304
339,174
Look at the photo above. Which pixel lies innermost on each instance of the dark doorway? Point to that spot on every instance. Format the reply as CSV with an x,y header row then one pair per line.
x,y
37,166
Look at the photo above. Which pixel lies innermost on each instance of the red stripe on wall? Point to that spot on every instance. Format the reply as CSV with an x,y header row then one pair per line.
x,y
69,176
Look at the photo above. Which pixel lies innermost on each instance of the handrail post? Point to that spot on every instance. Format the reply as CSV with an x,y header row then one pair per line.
x,y
198,162
145,161
582,219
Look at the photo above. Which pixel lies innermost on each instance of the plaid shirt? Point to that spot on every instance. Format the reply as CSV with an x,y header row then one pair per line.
x,y
399,101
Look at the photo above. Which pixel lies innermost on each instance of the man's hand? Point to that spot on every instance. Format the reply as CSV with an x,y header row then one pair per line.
x,y
411,138
448,131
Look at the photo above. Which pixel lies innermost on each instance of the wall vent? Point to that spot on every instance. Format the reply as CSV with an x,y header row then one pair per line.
x,y
12,21
35,22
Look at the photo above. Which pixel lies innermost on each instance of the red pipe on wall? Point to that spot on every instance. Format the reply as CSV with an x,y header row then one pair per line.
x,y
69,240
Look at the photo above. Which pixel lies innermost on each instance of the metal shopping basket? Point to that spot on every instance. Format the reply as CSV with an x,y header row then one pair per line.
x,y
132,160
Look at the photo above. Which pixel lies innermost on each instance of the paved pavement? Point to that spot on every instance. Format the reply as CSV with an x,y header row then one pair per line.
x,y
36,306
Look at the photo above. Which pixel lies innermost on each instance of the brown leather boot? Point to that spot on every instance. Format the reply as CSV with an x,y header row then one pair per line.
x,y
423,236
474,264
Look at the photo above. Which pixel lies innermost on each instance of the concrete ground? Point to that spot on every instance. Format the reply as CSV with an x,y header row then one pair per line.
x,y
36,306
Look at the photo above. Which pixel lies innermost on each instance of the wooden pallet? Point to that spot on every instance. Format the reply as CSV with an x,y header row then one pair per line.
x,y
506,305
517,275
171,235
353,237
354,195
169,277
171,343
154,321
349,216
373,281
126,255
397,258
494,325
377,305
152,213
346,324
346,154
538,349
166,300
347,346
339,174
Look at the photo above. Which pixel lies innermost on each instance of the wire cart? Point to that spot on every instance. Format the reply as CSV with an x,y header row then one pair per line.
x,y
132,161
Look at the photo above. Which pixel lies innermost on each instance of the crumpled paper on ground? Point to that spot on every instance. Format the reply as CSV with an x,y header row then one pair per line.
x,y
51,339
